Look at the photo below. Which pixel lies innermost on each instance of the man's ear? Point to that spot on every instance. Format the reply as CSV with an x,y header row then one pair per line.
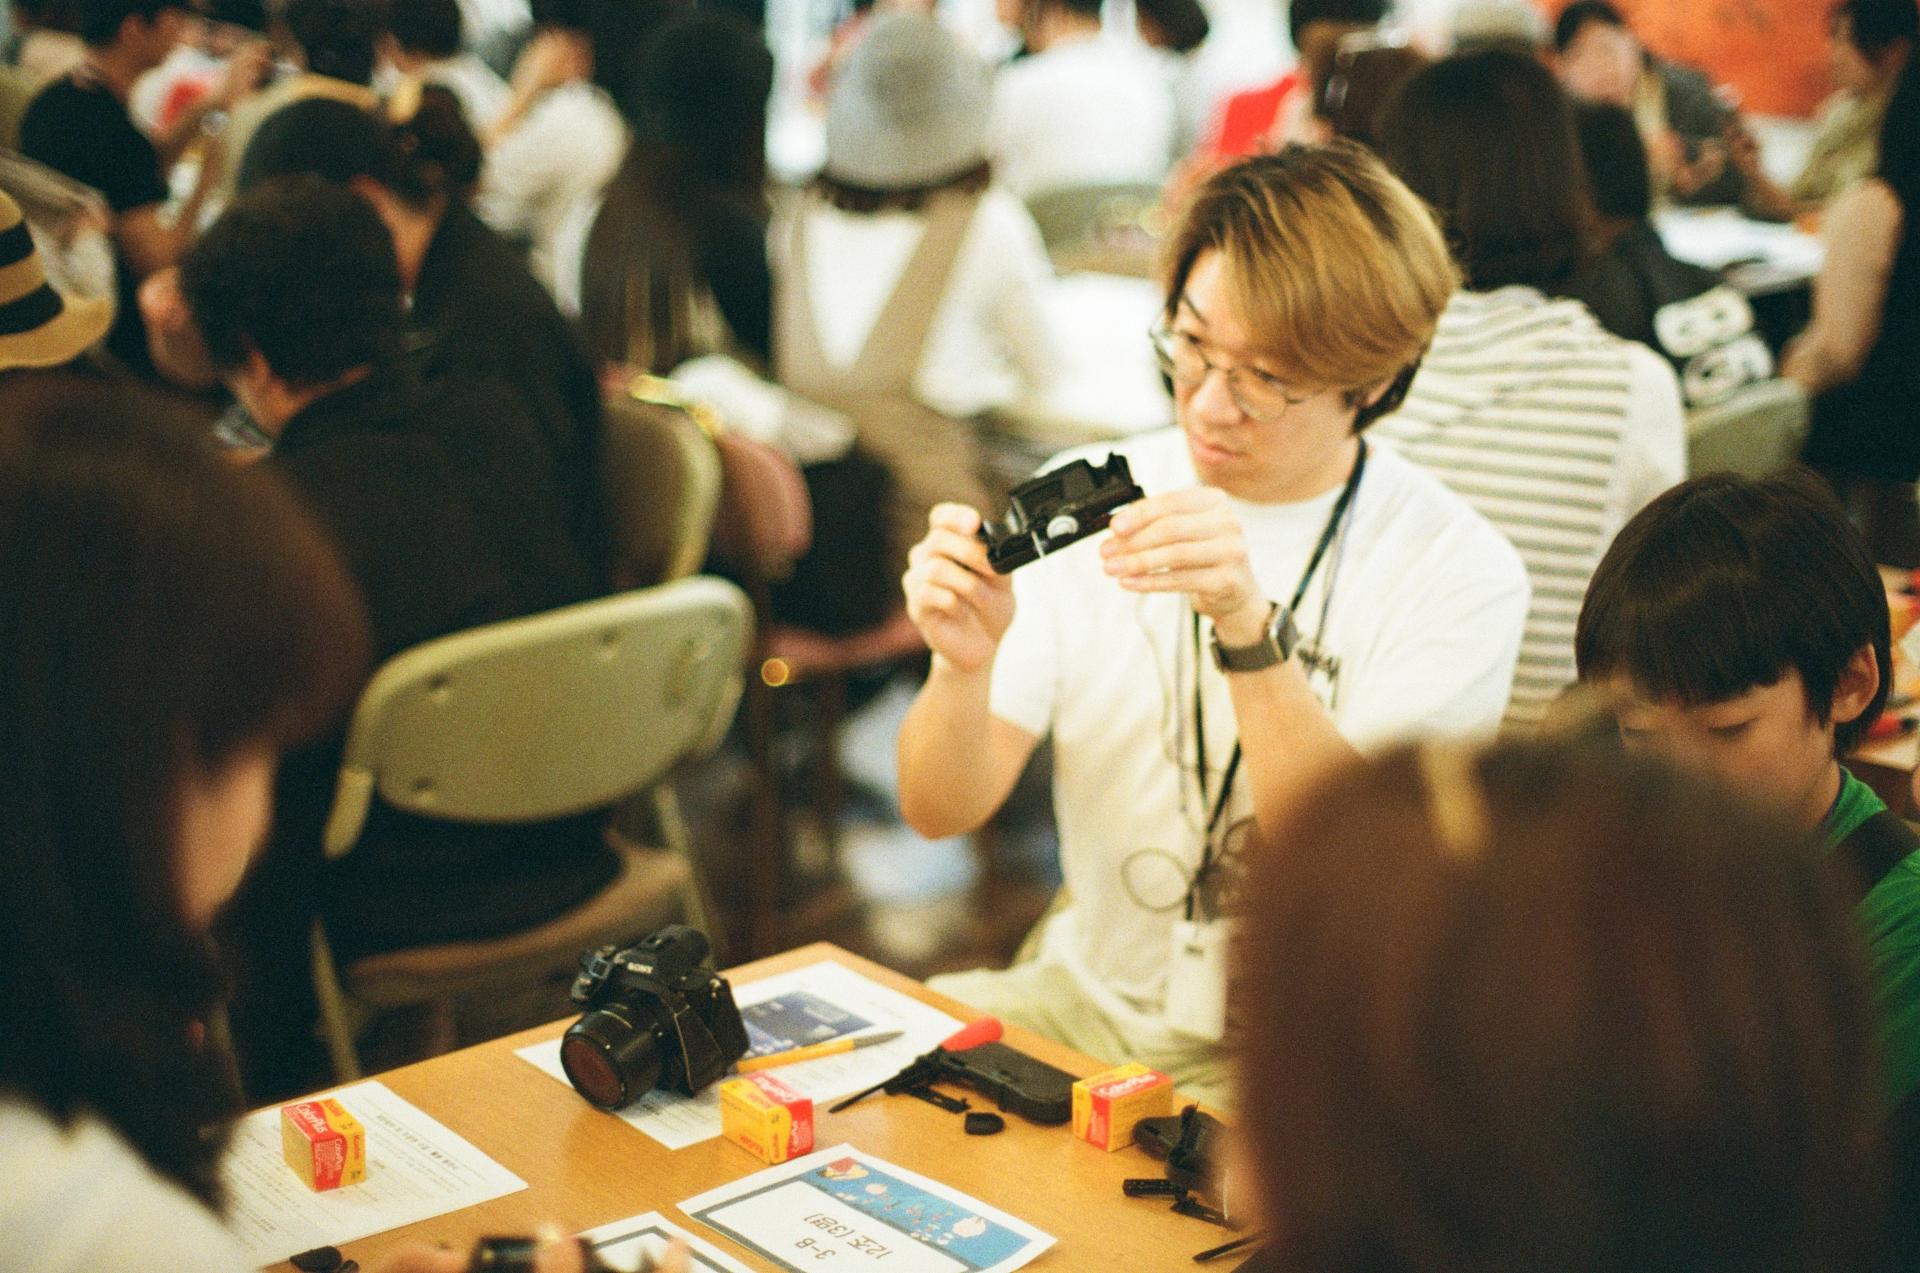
x,y
1854,692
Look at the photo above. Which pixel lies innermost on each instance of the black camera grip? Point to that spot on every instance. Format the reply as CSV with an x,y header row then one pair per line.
x,y
1014,1081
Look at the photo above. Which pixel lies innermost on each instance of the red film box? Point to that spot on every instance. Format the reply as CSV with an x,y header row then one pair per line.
x,y
325,1145
766,1118
1106,1106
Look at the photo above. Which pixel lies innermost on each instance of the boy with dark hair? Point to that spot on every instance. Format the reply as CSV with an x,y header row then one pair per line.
x,y
1741,627
79,125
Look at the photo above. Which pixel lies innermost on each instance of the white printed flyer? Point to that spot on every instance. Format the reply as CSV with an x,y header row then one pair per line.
x,y
642,1241
844,1209
416,1169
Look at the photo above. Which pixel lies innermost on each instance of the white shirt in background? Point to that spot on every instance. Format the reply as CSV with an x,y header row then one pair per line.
x,y
79,1199
566,149
1556,431
989,344
482,93
1091,111
1423,622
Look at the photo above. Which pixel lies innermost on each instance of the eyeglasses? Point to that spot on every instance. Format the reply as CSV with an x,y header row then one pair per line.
x,y
1259,396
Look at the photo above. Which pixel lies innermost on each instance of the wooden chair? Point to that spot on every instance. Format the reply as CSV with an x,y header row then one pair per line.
x,y
524,721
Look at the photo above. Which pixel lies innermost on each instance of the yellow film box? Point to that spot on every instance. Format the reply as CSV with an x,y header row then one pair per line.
x,y
325,1145
766,1118
1107,1106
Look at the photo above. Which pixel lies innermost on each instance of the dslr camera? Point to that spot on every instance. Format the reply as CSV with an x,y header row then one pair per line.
x,y
1058,508
656,1017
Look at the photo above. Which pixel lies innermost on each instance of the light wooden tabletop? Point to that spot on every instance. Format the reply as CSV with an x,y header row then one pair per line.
x,y
585,1168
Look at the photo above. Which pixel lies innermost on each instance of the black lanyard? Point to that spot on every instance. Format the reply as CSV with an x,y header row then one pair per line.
x,y
1327,533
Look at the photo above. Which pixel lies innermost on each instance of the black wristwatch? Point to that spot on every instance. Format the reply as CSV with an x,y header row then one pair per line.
x,y
1273,648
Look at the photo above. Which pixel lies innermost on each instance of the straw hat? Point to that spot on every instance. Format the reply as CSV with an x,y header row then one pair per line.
x,y
38,326
909,110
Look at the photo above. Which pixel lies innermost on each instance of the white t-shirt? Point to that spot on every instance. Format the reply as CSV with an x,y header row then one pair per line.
x,y
1092,111
989,344
78,1199
1418,637
564,150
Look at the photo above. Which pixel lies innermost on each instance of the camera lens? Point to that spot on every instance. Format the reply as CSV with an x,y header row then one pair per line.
x,y
609,1059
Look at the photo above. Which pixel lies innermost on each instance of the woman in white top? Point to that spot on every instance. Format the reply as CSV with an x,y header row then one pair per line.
x,y
907,286
1082,108
169,623
1554,429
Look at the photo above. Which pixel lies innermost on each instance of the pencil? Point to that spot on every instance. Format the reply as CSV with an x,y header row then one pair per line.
x,y
833,1047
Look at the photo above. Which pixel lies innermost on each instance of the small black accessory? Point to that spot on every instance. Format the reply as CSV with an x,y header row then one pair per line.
x,y
1014,1081
1275,646
939,1099
1227,1248
1190,1144
322,1259
1011,1079
983,1123
656,1018
1057,508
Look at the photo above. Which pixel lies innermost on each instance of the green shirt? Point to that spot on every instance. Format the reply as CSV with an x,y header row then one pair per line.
x,y
1890,921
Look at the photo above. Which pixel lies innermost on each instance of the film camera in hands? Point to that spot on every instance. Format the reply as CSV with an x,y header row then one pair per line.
x,y
656,1017
1058,508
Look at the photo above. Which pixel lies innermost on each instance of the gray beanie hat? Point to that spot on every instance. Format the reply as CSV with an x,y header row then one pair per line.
x,y
909,109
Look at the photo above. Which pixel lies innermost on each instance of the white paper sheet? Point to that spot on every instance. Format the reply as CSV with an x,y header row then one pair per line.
x,y
416,1169
1715,238
678,1121
852,1210
624,1243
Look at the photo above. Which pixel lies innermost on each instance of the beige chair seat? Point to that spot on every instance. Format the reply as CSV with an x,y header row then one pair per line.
x,y
628,907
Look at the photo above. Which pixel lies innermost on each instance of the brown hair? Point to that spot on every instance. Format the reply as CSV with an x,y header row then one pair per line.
x,y
1553,1007
159,609
1334,266
1488,139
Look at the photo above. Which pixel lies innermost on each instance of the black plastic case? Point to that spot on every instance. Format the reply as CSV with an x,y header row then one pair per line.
x,y
1014,1081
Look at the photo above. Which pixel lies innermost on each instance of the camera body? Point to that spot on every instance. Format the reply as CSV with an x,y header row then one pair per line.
x,y
656,1017
1058,508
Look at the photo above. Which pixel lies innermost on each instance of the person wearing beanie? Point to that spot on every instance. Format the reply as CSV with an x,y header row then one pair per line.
x,y
907,285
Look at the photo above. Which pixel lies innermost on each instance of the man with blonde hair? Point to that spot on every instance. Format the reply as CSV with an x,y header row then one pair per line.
x,y
1283,596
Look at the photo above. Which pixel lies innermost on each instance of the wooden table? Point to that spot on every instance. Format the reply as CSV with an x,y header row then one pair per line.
x,y
585,1168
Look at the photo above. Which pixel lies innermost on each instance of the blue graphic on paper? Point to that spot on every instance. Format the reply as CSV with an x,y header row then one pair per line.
x,y
928,1218
795,1021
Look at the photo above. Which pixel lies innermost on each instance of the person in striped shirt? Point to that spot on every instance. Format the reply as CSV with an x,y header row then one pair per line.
x,y
1552,428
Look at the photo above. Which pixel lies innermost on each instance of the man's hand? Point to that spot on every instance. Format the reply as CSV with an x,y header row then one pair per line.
x,y
960,605
1190,541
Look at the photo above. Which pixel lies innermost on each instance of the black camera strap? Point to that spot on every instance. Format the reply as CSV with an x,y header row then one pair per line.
x,y
1335,519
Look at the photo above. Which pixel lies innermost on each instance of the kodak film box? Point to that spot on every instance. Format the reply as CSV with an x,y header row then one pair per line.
x,y
1106,1106
325,1145
766,1118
